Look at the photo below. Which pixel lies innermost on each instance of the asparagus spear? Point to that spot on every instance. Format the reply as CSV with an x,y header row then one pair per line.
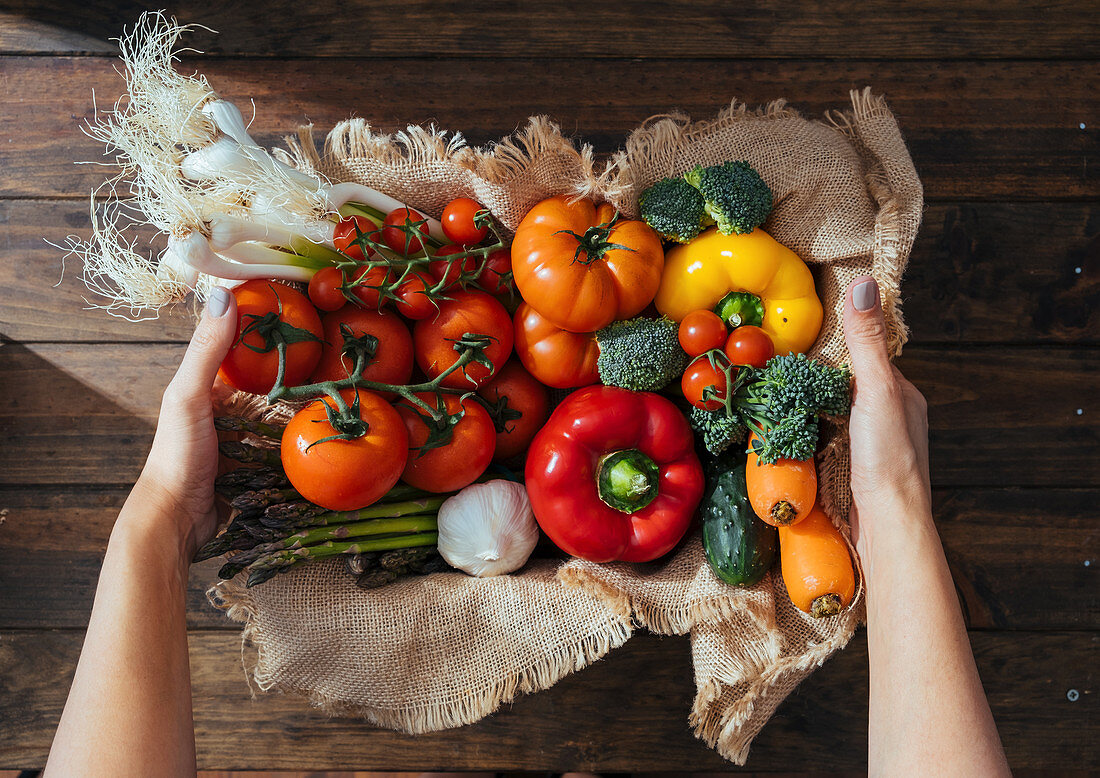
x,y
268,566
245,479
242,452
259,499
235,424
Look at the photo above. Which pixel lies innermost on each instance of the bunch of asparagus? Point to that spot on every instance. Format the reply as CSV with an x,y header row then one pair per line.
x,y
274,529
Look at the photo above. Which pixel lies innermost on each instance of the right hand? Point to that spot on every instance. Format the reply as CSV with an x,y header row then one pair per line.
x,y
888,426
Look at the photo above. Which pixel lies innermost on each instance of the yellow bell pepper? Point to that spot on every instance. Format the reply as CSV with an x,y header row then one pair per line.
x,y
700,273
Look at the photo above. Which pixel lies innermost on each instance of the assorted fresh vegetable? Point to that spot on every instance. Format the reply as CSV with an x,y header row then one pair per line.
x,y
817,568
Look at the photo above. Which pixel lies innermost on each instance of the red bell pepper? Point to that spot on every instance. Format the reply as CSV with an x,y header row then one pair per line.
x,y
614,476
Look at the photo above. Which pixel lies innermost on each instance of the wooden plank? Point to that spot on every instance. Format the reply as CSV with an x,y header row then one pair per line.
x,y
977,130
1000,416
582,723
52,542
707,29
979,273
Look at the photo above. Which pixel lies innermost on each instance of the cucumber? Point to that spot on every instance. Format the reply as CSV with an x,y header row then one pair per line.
x,y
739,546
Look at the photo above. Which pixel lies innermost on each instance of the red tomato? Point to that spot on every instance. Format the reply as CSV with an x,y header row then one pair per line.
x,y
748,345
413,301
524,396
699,375
366,286
345,235
393,360
459,461
450,270
701,331
252,371
345,475
324,289
396,236
466,312
458,222
496,276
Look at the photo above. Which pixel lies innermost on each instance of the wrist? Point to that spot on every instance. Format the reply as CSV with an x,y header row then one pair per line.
x,y
149,520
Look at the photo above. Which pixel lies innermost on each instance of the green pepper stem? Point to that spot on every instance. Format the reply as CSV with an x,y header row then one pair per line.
x,y
627,480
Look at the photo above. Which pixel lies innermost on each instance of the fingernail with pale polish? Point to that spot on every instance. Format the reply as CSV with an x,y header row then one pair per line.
x,y
865,296
218,302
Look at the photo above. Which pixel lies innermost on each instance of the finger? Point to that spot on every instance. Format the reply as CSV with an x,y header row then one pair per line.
x,y
213,336
865,332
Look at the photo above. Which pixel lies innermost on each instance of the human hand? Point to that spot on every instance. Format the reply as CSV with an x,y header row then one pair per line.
x,y
178,477
888,426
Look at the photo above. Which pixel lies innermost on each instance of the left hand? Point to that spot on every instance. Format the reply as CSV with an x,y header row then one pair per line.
x,y
179,474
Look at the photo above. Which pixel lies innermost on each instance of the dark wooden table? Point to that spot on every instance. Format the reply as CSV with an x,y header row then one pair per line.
x,y
999,102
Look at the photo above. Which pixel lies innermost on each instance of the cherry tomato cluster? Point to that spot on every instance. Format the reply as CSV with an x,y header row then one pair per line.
x,y
716,349
396,313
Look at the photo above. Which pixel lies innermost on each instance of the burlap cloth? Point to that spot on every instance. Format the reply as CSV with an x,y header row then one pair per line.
x,y
446,650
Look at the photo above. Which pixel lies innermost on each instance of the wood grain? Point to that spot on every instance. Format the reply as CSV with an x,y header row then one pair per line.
x,y
979,273
52,542
590,721
991,130
708,29
999,416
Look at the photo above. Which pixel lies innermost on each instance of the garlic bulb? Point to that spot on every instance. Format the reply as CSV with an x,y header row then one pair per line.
x,y
488,529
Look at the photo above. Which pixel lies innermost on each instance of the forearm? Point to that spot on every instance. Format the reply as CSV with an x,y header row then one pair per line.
x,y
928,711
129,709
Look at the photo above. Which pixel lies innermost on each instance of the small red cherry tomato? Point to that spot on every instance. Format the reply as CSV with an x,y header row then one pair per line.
x,y
449,270
748,345
527,407
496,276
398,231
413,301
701,331
324,289
345,235
699,375
458,222
366,286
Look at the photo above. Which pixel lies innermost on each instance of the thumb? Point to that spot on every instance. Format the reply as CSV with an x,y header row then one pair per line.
x,y
865,331
213,336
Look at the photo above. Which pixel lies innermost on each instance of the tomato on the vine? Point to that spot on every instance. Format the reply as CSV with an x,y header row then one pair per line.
x,y
268,311
345,475
345,235
458,222
699,375
446,457
700,331
398,228
749,345
366,283
496,275
449,270
412,300
474,313
522,405
324,289
392,362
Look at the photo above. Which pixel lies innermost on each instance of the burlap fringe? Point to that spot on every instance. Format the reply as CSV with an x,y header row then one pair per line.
x,y
234,600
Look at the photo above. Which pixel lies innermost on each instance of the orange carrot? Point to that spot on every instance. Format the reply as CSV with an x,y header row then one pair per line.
x,y
783,492
816,566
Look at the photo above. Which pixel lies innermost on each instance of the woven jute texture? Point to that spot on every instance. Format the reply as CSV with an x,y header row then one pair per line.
x,y
446,650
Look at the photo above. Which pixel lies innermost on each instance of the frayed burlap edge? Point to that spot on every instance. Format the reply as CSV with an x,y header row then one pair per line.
x,y
233,598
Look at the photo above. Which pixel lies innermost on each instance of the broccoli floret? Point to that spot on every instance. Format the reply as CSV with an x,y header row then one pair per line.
x,y
734,195
674,208
640,354
719,429
783,401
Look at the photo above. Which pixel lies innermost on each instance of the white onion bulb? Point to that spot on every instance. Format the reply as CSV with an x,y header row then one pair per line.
x,y
488,529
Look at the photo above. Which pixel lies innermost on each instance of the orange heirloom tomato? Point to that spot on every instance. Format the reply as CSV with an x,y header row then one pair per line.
x,y
345,475
552,355
582,266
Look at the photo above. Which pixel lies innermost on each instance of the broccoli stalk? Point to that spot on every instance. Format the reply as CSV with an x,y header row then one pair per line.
x,y
780,403
640,354
734,195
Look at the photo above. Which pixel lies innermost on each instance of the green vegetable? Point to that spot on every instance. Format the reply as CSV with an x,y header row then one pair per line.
x,y
781,403
640,354
735,195
739,546
674,208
